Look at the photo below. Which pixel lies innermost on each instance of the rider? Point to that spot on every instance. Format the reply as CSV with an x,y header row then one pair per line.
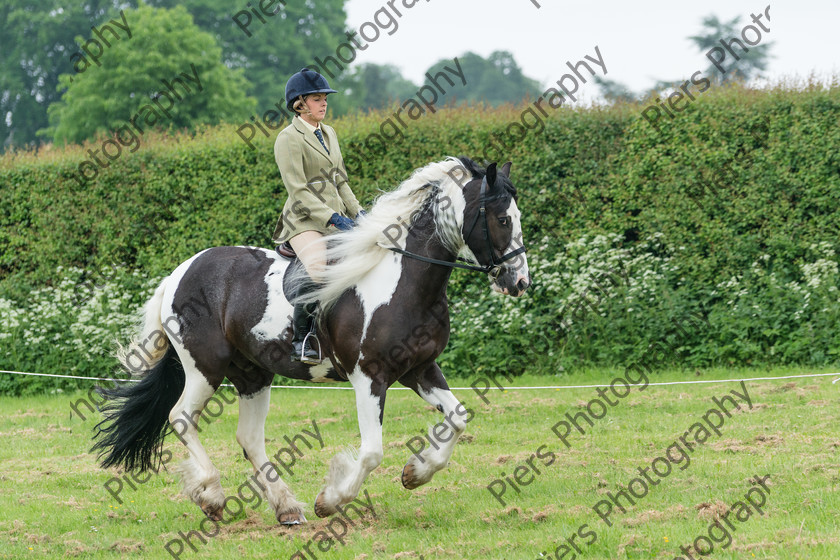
x,y
320,200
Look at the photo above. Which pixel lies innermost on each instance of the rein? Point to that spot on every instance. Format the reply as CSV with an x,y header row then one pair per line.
x,y
450,264
495,266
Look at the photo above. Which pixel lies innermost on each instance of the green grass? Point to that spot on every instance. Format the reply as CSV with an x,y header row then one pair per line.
x,y
53,504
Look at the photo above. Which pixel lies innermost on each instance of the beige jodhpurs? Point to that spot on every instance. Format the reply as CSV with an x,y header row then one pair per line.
x,y
311,249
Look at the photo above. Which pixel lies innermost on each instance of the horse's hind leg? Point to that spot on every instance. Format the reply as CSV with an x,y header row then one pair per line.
x,y
200,477
431,454
253,410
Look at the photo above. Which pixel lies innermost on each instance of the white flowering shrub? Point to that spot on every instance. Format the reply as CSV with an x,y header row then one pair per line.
x,y
597,301
767,315
71,328
589,302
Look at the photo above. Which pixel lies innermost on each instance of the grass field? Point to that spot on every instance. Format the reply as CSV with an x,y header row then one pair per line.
x,y
53,502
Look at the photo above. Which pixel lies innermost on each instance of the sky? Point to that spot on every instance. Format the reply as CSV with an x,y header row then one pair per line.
x,y
640,42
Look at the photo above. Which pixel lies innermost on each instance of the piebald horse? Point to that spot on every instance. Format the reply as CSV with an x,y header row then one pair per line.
x,y
383,318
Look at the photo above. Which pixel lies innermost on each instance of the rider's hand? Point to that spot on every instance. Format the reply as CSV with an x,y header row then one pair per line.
x,y
341,222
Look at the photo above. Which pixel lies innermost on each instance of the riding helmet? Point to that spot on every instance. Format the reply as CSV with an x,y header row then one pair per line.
x,y
303,83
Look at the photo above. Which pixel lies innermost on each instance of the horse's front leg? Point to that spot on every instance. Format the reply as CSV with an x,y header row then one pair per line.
x,y
432,453
349,470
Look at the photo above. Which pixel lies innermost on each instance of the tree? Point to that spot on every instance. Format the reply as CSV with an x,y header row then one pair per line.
x,y
374,86
269,53
751,63
495,80
615,92
36,39
141,71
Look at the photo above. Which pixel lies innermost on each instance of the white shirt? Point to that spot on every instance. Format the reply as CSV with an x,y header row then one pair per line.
x,y
312,129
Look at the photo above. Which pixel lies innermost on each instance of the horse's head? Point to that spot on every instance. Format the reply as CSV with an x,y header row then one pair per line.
x,y
492,230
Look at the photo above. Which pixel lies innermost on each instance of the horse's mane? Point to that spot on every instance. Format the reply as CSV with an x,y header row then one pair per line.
x,y
353,254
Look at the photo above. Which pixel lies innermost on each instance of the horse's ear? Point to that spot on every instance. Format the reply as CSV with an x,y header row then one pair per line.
x,y
505,170
491,175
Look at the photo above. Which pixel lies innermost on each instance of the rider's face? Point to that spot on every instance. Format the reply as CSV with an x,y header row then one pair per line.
x,y
317,105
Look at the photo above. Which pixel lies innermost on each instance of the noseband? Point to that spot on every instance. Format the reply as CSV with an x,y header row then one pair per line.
x,y
495,266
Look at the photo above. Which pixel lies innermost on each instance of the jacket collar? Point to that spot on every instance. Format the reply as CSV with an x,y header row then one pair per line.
x,y
310,137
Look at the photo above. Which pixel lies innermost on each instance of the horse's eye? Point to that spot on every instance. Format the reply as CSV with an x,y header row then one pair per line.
x,y
504,221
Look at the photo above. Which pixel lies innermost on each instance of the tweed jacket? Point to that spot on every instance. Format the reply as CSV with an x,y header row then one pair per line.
x,y
316,181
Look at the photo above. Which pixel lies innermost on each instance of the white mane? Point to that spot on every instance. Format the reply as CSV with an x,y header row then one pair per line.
x,y
351,255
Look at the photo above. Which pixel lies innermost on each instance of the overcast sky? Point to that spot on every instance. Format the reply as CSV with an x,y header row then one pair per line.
x,y
641,42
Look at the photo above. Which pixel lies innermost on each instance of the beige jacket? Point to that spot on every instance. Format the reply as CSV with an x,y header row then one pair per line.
x,y
316,181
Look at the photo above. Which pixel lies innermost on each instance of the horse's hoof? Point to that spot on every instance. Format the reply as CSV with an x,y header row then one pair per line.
x,y
321,507
291,518
409,480
213,512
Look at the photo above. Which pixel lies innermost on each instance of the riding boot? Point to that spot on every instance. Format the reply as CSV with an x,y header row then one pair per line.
x,y
303,321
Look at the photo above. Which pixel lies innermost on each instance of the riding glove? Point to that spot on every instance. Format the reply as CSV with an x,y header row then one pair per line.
x,y
341,222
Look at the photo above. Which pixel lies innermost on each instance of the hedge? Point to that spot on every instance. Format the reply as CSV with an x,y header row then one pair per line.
x,y
731,206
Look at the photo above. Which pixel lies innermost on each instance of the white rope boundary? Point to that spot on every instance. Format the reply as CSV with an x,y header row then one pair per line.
x,y
557,387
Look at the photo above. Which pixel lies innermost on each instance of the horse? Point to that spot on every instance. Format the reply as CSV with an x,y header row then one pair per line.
x,y
383,317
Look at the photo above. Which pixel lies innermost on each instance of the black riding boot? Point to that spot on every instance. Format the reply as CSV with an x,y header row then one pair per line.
x,y
303,322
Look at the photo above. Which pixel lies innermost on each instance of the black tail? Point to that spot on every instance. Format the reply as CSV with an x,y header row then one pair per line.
x,y
138,414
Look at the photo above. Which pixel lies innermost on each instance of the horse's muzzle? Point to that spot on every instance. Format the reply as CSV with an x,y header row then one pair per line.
x,y
512,287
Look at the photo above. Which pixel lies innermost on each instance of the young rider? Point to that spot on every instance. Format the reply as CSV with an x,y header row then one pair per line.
x,y
320,200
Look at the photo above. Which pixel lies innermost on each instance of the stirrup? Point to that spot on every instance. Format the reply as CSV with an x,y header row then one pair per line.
x,y
303,358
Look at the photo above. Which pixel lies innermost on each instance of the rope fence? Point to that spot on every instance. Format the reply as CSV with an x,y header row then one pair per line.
x,y
512,388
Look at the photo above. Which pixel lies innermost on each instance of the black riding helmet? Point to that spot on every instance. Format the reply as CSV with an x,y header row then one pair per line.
x,y
303,83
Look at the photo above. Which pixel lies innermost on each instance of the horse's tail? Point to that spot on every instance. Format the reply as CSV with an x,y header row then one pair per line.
x,y
149,346
137,414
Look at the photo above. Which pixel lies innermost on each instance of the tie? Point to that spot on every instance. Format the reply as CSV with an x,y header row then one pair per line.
x,y
321,139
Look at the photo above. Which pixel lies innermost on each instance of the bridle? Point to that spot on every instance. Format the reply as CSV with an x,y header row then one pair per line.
x,y
495,266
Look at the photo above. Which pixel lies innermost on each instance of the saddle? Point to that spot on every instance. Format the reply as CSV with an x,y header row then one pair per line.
x,y
285,250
